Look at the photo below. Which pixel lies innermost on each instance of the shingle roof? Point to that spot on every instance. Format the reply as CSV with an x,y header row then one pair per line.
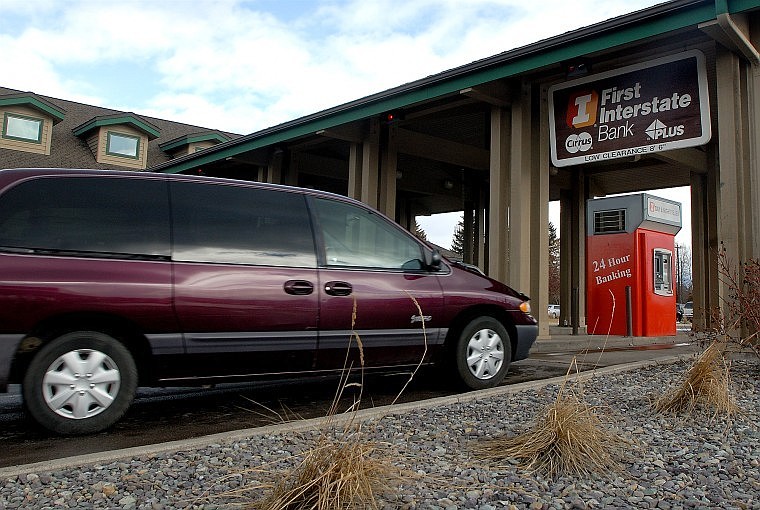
x,y
69,151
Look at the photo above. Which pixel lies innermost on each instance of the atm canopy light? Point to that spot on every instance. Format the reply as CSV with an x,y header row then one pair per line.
x,y
578,68
393,117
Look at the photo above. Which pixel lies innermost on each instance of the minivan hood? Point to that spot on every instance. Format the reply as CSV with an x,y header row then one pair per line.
x,y
495,285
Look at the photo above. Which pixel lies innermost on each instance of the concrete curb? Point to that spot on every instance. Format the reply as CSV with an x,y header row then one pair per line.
x,y
317,423
567,343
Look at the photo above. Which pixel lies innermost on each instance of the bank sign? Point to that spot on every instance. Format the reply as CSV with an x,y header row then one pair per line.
x,y
641,109
663,211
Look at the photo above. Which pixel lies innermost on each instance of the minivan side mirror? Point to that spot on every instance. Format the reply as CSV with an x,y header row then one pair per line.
x,y
433,260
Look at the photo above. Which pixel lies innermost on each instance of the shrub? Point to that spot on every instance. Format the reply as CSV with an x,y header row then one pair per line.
x,y
568,437
705,386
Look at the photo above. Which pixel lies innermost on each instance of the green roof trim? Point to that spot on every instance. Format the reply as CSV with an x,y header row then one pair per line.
x,y
111,120
36,102
183,141
736,6
638,26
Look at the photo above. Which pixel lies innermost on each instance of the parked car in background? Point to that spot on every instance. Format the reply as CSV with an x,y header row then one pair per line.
x,y
554,311
110,280
688,311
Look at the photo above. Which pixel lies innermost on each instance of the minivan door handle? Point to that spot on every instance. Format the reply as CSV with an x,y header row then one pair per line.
x,y
338,288
298,287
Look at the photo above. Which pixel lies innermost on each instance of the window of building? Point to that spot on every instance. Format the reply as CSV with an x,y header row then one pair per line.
x,y
663,272
23,128
122,145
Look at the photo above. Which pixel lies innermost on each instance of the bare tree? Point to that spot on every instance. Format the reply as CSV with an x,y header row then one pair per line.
x,y
683,273
554,276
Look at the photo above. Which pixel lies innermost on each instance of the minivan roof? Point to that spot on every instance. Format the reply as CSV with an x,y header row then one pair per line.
x,y
12,175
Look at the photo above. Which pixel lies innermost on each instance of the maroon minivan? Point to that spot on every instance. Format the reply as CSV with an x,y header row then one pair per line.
x,y
110,280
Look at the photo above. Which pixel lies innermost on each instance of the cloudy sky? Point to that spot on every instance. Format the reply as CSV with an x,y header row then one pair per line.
x,y
242,66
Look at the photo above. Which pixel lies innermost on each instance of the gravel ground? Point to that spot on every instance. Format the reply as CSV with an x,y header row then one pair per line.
x,y
673,463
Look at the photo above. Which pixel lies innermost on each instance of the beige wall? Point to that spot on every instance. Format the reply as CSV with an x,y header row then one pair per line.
x,y
18,145
107,159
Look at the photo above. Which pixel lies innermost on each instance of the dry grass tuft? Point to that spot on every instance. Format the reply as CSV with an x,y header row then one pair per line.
x,y
705,386
567,438
338,474
343,470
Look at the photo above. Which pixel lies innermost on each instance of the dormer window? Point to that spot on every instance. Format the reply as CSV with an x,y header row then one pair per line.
x,y
122,145
27,122
190,144
22,128
119,140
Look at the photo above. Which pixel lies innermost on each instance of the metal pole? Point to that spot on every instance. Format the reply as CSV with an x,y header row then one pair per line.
x,y
628,311
679,275
575,310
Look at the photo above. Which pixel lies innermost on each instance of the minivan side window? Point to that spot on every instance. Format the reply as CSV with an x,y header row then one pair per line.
x,y
241,225
356,237
87,216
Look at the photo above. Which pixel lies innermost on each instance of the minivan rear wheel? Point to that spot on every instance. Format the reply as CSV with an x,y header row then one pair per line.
x,y
80,383
483,353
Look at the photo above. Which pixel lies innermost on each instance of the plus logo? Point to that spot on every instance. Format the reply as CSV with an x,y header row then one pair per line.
x,y
657,130
581,108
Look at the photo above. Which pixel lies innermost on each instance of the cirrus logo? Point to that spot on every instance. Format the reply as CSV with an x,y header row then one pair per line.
x,y
580,142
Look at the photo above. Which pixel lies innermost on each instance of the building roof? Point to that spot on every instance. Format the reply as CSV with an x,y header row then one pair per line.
x,y
71,151
203,136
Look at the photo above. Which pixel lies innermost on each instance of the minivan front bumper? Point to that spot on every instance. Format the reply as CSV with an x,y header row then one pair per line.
x,y
525,336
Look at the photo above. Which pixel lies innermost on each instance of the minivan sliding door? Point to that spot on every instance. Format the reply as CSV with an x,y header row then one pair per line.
x,y
245,279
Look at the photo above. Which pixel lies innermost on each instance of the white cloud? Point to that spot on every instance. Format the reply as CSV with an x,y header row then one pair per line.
x,y
439,228
210,56
229,65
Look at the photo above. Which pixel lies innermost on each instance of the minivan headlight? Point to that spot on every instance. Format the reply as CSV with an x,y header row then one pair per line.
x,y
525,307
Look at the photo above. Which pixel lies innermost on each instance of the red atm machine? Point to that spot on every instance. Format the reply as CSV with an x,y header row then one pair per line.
x,y
630,260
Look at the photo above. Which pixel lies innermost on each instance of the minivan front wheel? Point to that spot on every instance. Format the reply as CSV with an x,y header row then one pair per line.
x,y
483,353
80,383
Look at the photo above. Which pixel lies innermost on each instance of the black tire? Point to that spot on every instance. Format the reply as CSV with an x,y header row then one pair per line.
x,y
486,338
80,383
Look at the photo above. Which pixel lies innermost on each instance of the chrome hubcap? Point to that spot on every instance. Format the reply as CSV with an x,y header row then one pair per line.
x,y
485,354
81,384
